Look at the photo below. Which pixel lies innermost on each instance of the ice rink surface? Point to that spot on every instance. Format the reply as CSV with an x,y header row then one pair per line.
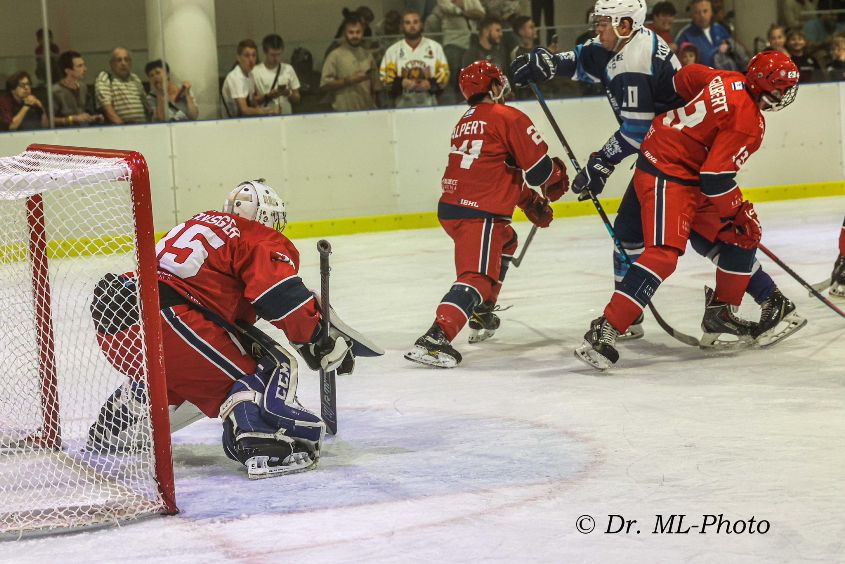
x,y
496,460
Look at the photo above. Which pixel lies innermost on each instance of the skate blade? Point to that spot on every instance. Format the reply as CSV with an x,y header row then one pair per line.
x,y
478,335
258,467
714,342
793,322
633,332
422,356
586,354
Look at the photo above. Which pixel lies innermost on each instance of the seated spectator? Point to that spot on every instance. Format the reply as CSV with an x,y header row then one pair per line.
x,y
489,46
734,58
276,83
504,11
414,69
120,93
348,71
526,34
708,36
40,64
19,109
180,104
72,106
663,18
836,68
688,54
458,19
796,44
777,39
820,30
238,88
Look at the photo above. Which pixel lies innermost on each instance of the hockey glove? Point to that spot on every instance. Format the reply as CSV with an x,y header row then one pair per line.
x,y
744,230
536,66
331,354
536,208
558,183
593,177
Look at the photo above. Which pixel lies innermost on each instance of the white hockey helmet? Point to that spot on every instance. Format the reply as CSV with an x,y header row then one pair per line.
x,y
616,10
255,200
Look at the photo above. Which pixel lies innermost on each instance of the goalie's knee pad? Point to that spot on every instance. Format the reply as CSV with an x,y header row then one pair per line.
x,y
262,417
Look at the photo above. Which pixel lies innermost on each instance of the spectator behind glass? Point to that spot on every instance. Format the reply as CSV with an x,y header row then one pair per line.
x,y
792,16
238,88
526,34
688,54
72,106
349,72
19,109
120,93
40,66
777,39
276,83
391,23
589,33
489,46
180,102
820,30
796,44
836,68
707,36
458,19
414,69
364,15
663,18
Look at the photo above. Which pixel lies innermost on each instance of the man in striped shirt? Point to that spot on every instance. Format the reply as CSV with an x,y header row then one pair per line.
x,y
120,93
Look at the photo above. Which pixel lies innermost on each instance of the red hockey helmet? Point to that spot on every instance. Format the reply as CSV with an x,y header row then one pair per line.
x,y
478,77
773,77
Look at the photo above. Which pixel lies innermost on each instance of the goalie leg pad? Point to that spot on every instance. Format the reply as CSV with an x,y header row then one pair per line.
x,y
118,423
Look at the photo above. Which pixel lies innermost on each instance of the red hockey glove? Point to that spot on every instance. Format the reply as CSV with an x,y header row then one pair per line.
x,y
536,208
558,183
744,230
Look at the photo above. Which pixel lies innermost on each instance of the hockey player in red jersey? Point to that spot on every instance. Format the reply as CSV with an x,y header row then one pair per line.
x,y
497,158
685,179
837,277
216,271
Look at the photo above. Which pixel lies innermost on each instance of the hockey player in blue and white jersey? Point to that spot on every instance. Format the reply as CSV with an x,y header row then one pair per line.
x,y
637,68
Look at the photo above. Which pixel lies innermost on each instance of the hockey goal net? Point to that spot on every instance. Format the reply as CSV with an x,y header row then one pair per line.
x,y
68,217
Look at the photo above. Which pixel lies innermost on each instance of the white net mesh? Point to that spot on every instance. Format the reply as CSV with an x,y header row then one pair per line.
x,y
54,377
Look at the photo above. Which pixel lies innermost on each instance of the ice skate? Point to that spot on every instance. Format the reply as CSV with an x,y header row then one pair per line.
x,y
598,349
778,320
837,279
719,320
484,322
434,349
635,331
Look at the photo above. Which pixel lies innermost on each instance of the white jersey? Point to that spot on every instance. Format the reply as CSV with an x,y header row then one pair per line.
x,y
426,61
237,85
263,78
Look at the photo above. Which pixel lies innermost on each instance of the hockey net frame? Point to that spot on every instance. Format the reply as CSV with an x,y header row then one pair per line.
x,y
22,179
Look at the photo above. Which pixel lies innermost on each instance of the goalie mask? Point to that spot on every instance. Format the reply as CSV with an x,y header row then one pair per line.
x,y
256,201
772,77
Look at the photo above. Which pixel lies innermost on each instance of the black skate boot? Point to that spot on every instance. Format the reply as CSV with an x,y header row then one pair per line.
x,y
598,349
778,320
719,320
837,279
484,322
635,331
434,349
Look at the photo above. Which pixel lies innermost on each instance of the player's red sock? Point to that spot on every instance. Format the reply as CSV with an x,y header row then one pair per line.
x,y
842,240
730,286
639,285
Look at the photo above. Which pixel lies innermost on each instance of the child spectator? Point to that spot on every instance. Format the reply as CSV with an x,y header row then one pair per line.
x,y
688,54
663,18
796,44
777,39
180,101
836,68
19,109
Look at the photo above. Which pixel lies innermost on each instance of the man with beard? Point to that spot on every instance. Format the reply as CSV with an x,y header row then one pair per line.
x,y
414,69
348,70
489,46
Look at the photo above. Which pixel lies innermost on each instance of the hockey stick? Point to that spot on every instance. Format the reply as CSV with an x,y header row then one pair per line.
x,y
813,292
517,260
686,339
822,286
328,390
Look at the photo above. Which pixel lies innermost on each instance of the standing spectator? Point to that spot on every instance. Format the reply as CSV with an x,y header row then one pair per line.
x,y
390,24
820,30
707,36
363,14
663,18
777,39
348,70
526,33
458,19
276,83
792,16
489,46
836,68
40,64
238,87
414,69
505,11
120,93
540,8
688,54
178,104
796,44
71,104
19,109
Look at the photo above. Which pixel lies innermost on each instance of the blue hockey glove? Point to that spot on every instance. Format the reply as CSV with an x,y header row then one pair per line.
x,y
536,66
593,177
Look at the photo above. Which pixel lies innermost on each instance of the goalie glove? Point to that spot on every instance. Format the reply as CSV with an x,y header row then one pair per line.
x,y
334,353
536,66
536,207
744,230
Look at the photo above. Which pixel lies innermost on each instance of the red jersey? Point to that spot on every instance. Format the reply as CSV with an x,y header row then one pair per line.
x,y
492,145
710,138
238,268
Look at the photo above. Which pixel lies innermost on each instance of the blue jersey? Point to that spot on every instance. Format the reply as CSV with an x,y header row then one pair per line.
x,y
638,82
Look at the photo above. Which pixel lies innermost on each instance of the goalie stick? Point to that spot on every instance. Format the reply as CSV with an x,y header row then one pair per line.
x,y
813,292
328,389
685,339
